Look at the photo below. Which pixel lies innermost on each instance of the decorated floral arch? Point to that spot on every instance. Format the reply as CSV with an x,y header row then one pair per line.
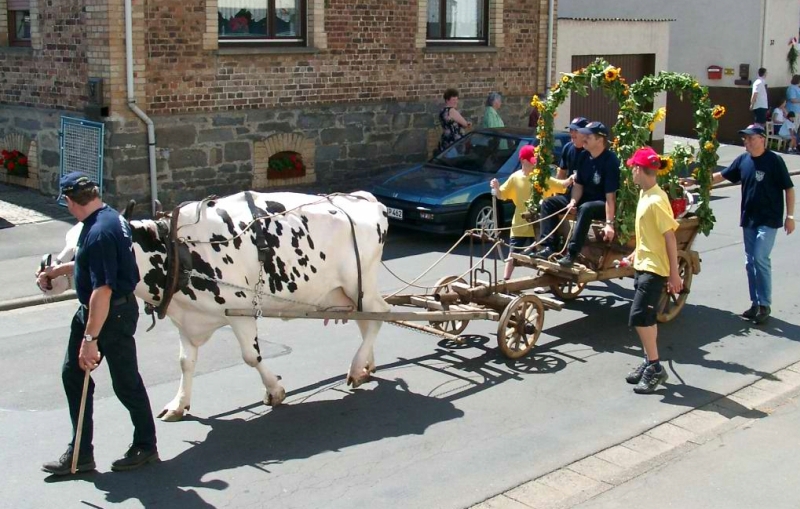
x,y
632,131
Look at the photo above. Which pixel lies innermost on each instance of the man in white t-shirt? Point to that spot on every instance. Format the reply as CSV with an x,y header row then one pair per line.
x,y
758,100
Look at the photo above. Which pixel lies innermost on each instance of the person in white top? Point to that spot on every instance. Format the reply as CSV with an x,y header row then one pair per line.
x,y
778,117
758,100
789,131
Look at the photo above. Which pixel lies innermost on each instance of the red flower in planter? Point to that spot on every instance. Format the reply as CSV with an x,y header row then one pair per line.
x,y
15,162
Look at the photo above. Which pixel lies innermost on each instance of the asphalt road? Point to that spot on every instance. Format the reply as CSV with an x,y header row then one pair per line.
x,y
439,426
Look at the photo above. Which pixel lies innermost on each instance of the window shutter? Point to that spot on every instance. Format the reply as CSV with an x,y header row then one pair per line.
x,y
19,5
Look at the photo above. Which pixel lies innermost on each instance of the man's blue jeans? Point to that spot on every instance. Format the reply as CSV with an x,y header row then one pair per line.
x,y
758,244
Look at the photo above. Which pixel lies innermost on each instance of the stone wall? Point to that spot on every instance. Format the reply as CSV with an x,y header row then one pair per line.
x,y
41,127
202,154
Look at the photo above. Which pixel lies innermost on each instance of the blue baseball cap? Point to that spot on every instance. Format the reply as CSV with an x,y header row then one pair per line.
x,y
75,181
578,123
595,128
754,129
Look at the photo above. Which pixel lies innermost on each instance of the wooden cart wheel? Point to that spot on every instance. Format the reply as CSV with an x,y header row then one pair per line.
x,y
568,290
670,305
520,326
455,327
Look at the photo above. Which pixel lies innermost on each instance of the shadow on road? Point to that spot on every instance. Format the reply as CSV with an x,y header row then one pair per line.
x,y
289,432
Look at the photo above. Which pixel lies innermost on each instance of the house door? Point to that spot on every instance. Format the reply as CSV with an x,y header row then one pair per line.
x,y
597,105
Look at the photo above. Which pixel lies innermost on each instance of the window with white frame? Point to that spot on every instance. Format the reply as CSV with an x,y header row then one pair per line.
x,y
19,22
254,21
458,21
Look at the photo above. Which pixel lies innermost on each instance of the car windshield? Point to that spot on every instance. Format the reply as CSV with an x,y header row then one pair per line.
x,y
481,152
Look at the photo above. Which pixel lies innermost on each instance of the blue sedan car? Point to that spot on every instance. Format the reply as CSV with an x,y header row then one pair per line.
x,y
451,193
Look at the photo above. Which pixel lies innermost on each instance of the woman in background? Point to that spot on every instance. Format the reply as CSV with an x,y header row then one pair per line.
x,y
491,118
453,123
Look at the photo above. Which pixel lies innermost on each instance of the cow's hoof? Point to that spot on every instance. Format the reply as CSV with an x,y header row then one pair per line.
x,y
167,415
274,400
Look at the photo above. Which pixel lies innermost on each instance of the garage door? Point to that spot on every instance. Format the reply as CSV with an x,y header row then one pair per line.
x,y
597,105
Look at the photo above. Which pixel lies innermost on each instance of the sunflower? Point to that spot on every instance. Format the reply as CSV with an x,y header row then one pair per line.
x,y
537,103
718,112
709,146
666,166
538,187
661,114
611,73
564,79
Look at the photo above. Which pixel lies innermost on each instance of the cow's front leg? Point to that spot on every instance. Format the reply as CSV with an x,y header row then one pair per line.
x,y
246,331
364,361
175,409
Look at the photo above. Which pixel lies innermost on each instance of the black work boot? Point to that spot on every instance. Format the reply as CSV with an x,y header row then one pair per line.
x,y
544,253
762,316
651,379
568,260
135,458
750,313
636,375
62,465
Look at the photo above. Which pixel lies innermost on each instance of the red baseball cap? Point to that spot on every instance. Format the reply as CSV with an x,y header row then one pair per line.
x,y
645,157
528,153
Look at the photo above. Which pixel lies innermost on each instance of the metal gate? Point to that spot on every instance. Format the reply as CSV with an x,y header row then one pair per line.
x,y
81,149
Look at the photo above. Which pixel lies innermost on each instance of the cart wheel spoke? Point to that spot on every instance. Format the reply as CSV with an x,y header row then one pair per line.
x,y
671,305
454,327
520,326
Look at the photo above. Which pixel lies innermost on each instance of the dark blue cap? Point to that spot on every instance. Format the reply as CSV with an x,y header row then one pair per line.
x,y
75,181
754,129
595,128
577,123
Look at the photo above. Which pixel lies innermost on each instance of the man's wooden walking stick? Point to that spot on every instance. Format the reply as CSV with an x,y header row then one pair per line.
x,y
77,446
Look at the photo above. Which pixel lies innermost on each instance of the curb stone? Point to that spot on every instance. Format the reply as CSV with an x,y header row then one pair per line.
x,y
590,476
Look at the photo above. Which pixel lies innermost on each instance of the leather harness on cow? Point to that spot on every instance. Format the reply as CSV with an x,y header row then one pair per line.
x,y
178,262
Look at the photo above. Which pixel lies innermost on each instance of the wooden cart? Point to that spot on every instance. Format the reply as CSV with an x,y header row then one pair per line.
x,y
454,302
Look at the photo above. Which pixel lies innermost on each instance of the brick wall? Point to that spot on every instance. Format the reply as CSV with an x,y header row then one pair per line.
x,y
371,54
54,71
371,51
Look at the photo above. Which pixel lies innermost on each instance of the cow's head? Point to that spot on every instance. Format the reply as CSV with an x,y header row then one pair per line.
x,y
63,283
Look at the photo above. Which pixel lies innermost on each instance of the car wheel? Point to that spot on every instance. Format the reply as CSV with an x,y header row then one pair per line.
x,y
481,216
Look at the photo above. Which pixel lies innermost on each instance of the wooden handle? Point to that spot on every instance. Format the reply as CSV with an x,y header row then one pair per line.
x,y
77,445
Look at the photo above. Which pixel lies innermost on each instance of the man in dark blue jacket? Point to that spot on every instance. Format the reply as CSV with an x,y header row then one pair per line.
x,y
593,193
105,275
766,186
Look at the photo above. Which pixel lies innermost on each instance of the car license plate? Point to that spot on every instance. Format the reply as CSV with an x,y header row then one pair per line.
x,y
395,213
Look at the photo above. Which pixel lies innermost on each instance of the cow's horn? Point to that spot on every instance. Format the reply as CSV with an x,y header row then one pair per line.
x,y
128,212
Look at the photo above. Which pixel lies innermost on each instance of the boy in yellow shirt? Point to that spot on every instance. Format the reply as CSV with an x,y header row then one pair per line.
x,y
518,189
655,260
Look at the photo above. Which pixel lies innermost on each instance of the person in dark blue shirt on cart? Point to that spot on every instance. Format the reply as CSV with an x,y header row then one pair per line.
x,y
593,193
105,274
766,185
571,151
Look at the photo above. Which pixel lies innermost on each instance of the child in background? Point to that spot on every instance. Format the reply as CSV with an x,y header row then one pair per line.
x,y
789,131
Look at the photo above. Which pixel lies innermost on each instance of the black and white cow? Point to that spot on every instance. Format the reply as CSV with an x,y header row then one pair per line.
x,y
310,265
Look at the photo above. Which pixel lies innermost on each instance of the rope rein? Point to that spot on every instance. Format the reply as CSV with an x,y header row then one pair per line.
x,y
497,243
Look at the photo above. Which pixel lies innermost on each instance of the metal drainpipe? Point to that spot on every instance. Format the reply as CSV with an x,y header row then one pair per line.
x,y
550,21
151,131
